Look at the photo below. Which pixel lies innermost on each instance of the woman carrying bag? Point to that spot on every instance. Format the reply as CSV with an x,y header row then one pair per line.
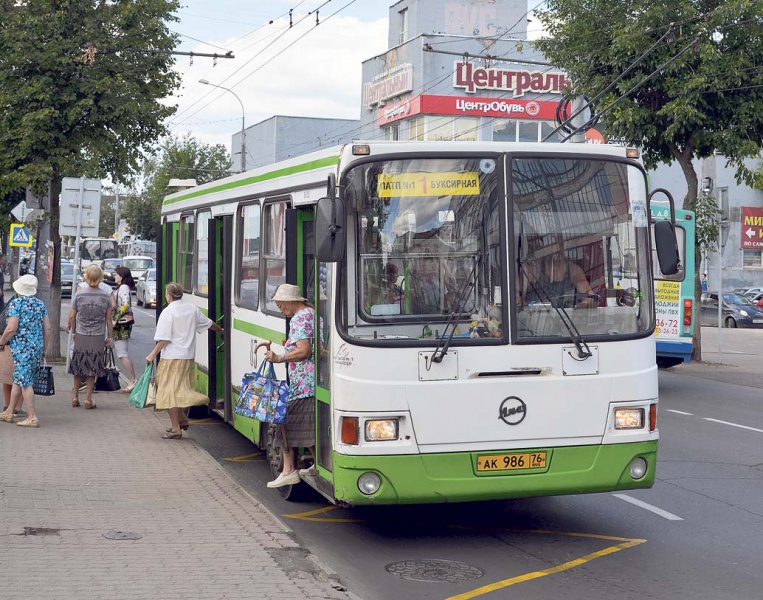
x,y
90,316
123,322
28,331
299,429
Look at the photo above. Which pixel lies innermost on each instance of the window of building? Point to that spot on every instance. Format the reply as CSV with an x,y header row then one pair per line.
x,y
391,132
465,130
511,130
753,259
547,127
185,252
416,129
248,259
274,251
202,253
528,131
403,29
504,130
443,128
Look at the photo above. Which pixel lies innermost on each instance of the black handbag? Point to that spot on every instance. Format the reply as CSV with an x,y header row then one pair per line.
x,y
43,382
109,382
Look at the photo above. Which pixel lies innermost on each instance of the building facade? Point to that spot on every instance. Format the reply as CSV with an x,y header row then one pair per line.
x,y
435,82
281,137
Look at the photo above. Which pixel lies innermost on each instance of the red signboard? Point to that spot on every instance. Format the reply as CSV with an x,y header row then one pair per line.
x,y
508,108
752,228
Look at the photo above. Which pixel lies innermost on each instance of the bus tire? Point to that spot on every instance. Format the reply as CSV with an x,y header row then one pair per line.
x,y
268,433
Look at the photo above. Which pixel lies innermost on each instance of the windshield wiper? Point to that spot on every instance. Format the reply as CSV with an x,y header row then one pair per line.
x,y
583,350
439,353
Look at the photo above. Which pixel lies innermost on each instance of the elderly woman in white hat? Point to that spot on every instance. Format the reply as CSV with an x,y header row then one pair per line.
x,y
298,355
28,331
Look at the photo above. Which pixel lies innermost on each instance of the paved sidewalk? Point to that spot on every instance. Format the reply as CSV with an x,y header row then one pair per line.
x,y
740,360
85,473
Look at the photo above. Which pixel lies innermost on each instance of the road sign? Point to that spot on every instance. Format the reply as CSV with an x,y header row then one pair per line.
x,y
20,236
752,228
76,190
20,211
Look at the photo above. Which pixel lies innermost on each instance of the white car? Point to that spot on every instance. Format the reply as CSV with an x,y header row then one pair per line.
x,y
145,289
138,265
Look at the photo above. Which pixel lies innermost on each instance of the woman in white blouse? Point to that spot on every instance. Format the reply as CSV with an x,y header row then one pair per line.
x,y
175,339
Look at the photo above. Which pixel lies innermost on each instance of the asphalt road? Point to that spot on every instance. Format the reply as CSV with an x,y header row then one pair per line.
x,y
695,535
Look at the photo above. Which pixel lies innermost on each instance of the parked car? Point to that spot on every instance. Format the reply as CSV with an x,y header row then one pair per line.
x,y
138,265
146,288
67,275
747,291
738,311
109,270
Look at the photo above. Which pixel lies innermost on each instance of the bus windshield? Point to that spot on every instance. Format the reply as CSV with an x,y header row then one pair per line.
x,y
430,255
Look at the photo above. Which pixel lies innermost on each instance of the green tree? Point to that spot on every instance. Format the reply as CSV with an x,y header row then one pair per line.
x,y
695,85
177,158
81,90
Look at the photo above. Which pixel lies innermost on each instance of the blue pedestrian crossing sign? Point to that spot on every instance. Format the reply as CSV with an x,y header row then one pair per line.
x,y
20,236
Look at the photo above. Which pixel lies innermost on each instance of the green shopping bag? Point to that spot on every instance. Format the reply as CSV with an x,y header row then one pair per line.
x,y
139,393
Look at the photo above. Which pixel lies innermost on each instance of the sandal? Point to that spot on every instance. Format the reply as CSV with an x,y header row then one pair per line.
x,y
29,423
90,404
75,402
6,416
183,426
173,435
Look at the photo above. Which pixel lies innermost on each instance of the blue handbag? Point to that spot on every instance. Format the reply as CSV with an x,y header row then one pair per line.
x,y
273,400
252,386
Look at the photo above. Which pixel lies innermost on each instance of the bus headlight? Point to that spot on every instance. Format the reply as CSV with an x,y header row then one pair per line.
x,y
368,483
381,430
629,418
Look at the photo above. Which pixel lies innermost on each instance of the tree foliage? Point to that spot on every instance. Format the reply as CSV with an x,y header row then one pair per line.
x,y
81,90
177,158
686,79
697,91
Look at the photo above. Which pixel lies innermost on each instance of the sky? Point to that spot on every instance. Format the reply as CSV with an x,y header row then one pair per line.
x,y
302,70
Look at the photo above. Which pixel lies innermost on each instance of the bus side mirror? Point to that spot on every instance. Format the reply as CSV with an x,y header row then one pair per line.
x,y
666,244
330,233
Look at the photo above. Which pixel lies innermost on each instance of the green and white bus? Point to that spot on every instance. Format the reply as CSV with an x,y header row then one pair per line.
x,y
437,381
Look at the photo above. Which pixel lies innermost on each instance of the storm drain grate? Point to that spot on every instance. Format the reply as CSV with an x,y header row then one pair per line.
x,y
40,531
448,571
122,535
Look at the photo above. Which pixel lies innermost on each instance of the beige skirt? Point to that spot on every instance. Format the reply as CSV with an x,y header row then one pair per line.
x,y
6,365
174,385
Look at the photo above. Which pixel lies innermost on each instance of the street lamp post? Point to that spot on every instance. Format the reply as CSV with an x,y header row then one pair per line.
x,y
243,121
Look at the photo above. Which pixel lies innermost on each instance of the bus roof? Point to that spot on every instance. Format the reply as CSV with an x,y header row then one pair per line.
x,y
311,170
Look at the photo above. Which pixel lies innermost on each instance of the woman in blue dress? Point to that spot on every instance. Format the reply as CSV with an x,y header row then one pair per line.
x,y
28,331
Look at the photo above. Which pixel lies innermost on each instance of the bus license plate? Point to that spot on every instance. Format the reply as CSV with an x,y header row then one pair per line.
x,y
511,462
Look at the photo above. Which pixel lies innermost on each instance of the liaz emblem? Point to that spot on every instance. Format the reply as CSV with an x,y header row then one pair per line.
x,y
512,411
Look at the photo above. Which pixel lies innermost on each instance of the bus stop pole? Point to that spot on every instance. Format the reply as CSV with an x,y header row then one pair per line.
x,y
80,202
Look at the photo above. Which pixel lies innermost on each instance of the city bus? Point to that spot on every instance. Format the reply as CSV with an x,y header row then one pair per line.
x,y
436,379
94,250
675,313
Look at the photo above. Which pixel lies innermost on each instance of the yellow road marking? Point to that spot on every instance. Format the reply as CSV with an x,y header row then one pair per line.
x,y
308,516
625,543
498,585
247,458
208,421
